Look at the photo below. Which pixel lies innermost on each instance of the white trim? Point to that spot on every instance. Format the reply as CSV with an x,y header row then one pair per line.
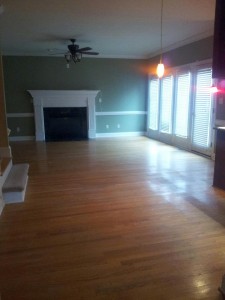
x,y
106,56
219,122
105,113
15,196
2,181
21,138
120,134
176,45
113,56
120,113
19,115
98,135
63,98
185,42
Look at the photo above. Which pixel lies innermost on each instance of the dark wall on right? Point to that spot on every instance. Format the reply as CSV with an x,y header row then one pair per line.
x,y
196,51
220,109
193,52
220,101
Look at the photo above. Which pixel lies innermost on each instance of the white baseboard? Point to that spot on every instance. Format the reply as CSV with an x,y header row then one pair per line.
x,y
21,138
98,135
120,134
2,204
120,113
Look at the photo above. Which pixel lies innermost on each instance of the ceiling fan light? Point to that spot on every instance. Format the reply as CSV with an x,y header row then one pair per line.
x,y
79,56
160,70
74,52
68,57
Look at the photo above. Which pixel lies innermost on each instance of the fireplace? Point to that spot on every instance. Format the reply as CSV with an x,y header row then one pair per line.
x,y
65,123
84,100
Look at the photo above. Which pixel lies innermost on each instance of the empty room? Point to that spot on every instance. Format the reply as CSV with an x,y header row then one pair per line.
x,y
112,130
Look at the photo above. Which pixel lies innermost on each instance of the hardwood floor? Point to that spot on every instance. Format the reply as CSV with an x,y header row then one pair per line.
x,y
122,219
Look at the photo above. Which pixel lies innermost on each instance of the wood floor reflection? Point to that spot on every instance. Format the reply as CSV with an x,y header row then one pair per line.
x,y
117,219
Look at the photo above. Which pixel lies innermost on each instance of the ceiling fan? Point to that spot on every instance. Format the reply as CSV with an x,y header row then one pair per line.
x,y
75,52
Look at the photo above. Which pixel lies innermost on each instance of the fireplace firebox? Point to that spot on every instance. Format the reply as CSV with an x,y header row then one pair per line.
x,y
65,123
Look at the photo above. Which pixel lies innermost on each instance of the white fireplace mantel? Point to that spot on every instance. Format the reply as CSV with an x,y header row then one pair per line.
x,y
54,98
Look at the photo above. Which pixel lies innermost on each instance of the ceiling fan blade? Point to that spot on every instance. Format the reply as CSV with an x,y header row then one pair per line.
x,y
55,54
90,53
84,49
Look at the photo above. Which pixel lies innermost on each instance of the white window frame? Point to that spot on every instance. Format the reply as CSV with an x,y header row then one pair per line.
x,y
171,138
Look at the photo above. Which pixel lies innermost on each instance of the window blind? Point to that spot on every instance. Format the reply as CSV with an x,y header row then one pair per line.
x,y
166,105
182,105
202,109
154,104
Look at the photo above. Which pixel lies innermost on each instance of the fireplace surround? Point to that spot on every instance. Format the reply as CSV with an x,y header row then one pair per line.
x,y
63,98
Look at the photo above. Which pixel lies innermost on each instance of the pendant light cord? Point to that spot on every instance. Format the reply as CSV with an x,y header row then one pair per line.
x,y
161,30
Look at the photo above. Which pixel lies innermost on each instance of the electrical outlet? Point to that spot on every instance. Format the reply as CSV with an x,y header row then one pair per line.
x,y
107,126
100,100
118,125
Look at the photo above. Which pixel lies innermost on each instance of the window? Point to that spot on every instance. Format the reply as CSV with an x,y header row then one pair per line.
x,y
182,105
202,110
180,108
166,105
154,104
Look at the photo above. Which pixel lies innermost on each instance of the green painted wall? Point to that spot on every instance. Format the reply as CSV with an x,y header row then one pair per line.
x,y
25,126
122,83
126,123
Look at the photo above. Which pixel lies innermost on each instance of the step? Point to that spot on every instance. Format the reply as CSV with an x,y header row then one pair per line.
x,y
14,188
6,165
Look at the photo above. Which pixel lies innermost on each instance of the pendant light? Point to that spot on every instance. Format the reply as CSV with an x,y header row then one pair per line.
x,y
160,67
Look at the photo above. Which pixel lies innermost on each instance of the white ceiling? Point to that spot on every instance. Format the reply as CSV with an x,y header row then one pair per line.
x,y
114,28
